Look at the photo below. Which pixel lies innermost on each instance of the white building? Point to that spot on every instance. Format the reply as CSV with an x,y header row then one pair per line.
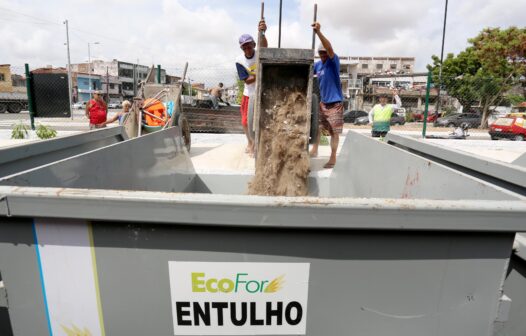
x,y
128,74
354,70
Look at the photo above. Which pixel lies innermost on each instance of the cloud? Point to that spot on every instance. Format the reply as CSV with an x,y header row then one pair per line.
x,y
204,33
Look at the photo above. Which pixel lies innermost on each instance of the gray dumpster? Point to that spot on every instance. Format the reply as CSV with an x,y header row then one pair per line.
x,y
27,156
503,164
130,240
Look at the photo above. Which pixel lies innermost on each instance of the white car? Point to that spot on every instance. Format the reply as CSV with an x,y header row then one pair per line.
x,y
114,105
79,105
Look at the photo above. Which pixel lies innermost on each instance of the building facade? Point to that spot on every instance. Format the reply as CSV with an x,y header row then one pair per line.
x,y
128,76
6,85
354,71
84,85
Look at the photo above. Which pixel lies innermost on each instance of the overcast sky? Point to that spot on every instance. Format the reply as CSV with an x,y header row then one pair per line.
x,y
170,32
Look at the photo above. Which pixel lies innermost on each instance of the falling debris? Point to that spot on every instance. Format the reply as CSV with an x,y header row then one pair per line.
x,y
282,164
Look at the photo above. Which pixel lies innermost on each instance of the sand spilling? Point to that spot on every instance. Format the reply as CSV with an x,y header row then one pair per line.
x,y
282,165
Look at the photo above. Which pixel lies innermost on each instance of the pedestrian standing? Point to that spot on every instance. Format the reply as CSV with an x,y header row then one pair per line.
x,y
380,115
96,111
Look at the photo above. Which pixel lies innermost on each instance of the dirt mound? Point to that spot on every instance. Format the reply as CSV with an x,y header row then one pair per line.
x,y
282,165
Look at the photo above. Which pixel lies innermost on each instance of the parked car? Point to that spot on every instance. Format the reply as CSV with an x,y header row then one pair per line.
x,y
455,120
361,120
79,105
350,116
395,120
511,127
115,105
431,116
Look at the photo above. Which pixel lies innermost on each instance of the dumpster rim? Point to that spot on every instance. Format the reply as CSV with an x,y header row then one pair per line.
x,y
261,211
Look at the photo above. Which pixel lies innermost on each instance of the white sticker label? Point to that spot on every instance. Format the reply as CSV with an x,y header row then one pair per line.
x,y
238,298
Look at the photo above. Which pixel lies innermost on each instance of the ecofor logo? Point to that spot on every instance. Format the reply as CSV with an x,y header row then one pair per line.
x,y
239,298
241,281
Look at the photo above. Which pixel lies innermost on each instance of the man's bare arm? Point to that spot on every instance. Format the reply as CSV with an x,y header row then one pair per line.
x,y
250,79
262,28
324,41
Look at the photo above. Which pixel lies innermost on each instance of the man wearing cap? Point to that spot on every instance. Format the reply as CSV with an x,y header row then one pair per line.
x,y
380,115
96,111
331,97
246,70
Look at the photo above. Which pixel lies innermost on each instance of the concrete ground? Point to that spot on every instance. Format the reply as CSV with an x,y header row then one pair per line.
x,y
225,153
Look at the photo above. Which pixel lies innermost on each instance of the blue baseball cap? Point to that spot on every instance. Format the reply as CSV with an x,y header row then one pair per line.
x,y
245,38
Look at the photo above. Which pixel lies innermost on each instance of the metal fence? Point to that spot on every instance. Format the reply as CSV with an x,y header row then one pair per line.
x,y
484,98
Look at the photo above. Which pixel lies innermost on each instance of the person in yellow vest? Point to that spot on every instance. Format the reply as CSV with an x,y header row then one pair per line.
x,y
380,115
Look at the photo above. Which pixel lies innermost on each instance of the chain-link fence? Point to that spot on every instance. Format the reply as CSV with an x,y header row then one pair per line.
x,y
476,100
211,95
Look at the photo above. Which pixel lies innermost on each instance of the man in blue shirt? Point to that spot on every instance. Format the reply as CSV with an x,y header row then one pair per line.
x,y
331,98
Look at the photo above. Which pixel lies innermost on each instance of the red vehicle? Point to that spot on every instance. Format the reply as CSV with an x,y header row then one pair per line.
x,y
513,127
431,117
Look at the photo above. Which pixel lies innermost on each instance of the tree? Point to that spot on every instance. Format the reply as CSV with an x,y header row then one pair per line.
x,y
491,65
186,90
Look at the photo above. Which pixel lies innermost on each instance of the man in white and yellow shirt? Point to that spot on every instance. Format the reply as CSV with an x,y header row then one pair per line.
x,y
246,70
380,115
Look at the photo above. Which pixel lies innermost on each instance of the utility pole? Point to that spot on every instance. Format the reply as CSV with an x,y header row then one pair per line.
x,y
90,70
107,86
70,85
441,59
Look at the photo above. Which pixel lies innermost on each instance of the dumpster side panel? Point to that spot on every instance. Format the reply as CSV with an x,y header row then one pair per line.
x,y
514,288
370,168
19,266
361,282
69,274
16,159
155,162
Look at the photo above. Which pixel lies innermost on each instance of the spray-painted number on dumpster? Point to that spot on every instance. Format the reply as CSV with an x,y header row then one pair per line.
x,y
231,298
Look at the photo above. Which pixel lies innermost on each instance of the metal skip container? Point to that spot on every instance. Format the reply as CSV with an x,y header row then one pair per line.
x,y
128,239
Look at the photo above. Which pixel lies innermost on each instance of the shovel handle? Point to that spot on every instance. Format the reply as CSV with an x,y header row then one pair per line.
x,y
313,32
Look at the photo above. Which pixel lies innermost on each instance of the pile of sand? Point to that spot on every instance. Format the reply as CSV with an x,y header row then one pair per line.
x,y
282,164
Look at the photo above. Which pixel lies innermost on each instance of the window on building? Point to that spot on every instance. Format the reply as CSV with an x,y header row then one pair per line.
x,y
126,73
365,66
2,78
393,66
112,86
379,66
407,66
127,86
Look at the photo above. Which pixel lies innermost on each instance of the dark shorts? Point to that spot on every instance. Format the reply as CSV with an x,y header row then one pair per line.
x,y
331,117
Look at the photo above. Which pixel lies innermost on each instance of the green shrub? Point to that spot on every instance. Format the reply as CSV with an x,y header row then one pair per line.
x,y
20,131
45,132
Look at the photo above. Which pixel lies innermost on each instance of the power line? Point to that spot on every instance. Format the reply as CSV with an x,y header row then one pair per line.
x,y
31,16
30,22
